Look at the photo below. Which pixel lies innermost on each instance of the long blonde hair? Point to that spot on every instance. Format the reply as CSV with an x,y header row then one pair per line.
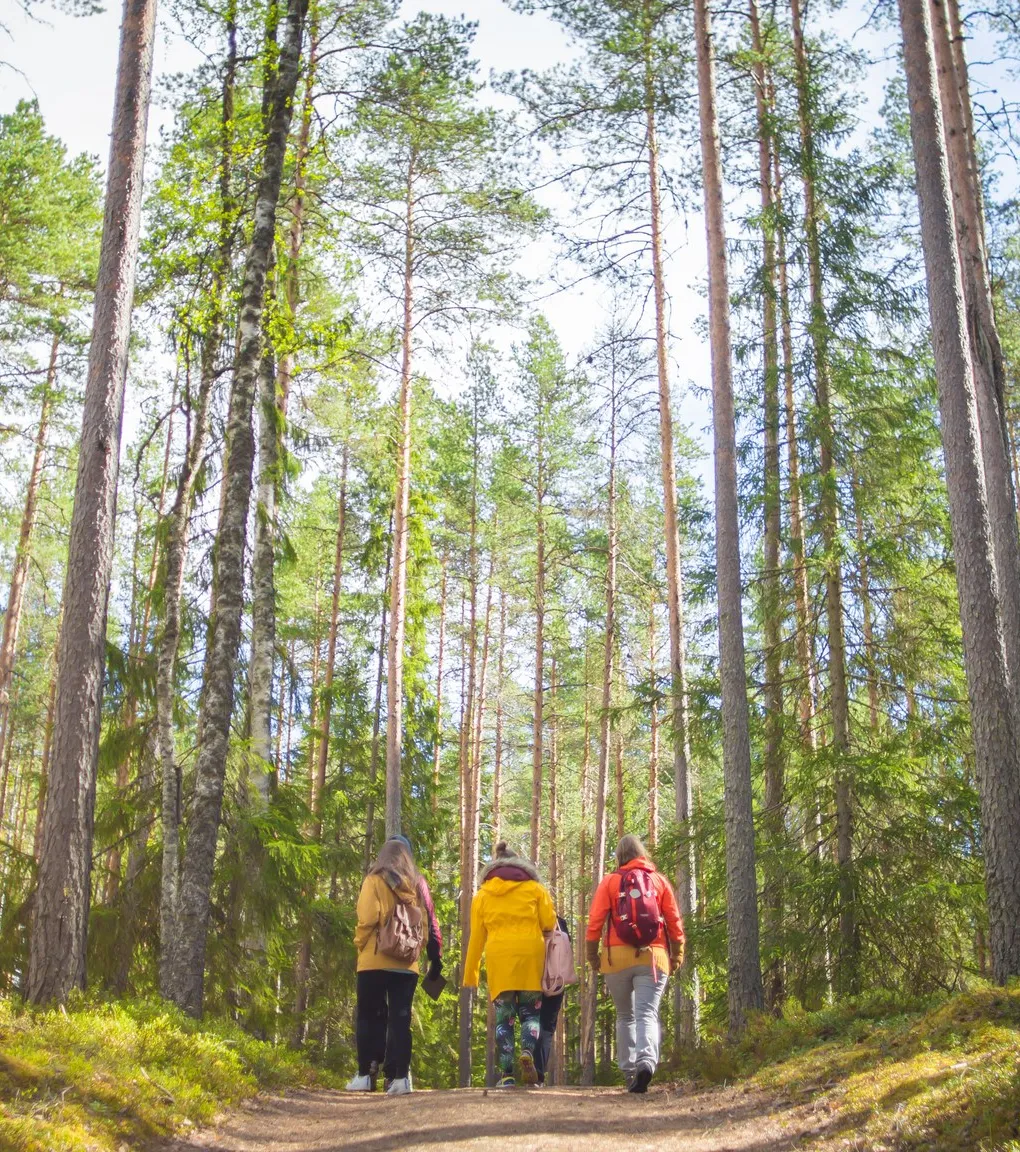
x,y
396,866
629,848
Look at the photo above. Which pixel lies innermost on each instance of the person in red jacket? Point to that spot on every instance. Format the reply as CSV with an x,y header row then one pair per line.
x,y
635,971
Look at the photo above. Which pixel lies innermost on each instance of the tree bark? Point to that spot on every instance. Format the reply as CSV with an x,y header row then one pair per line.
x,y
993,717
653,742
744,962
437,751
537,716
373,768
228,565
61,906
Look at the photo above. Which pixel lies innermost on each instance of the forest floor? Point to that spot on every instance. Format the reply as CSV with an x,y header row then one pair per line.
x,y
550,1120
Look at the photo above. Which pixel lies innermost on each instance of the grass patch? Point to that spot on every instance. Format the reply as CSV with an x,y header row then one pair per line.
x,y
102,1075
944,1077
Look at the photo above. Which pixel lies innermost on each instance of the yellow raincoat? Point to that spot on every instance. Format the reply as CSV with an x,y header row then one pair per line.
x,y
508,918
375,905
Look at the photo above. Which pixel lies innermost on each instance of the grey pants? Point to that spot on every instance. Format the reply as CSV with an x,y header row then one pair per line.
x,y
636,992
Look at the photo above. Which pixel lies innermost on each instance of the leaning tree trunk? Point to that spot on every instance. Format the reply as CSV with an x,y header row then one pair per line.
x,y
848,971
744,961
401,508
228,567
685,1003
993,718
61,905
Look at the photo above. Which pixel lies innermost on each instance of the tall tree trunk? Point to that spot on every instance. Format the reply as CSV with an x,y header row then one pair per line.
x,y
401,505
848,969
806,692
537,715
867,626
653,750
437,751
263,581
61,905
321,748
554,811
607,726
685,1005
468,790
497,763
744,962
23,555
171,806
373,768
993,717
985,347
771,597
228,567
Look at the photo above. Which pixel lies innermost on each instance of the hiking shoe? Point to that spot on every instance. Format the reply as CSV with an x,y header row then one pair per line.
x,y
529,1074
505,1082
641,1079
399,1087
360,1084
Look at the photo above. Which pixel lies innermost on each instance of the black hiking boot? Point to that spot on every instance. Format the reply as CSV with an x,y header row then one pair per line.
x,y
641,1080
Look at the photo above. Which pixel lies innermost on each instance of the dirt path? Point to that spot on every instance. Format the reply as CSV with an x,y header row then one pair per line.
x,y
550,1120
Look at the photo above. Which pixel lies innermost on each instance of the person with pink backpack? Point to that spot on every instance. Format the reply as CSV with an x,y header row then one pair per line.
x,y
635,911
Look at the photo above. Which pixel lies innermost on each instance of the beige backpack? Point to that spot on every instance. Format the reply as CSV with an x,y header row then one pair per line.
x,y
402,934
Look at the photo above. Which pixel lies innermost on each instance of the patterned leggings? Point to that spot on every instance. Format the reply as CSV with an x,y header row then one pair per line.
x,y
510,1006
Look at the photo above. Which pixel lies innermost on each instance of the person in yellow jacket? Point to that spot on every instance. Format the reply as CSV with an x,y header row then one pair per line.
x,y
509,915
385,985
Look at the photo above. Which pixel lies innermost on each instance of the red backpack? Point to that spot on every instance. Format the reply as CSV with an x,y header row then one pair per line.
x,y
637,916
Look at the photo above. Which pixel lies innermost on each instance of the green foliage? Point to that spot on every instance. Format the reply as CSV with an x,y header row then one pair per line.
x,y
102,1073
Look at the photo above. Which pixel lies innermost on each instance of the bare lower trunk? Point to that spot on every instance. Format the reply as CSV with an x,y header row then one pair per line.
x,y
61,905
373,768
653,750
744,963
867,626
993,717
228,569
538,703
437,751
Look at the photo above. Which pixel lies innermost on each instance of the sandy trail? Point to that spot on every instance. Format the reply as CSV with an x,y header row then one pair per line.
x,y
550,1120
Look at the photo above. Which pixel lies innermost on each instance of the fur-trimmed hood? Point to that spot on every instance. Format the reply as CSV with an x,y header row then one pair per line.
x,y
509,868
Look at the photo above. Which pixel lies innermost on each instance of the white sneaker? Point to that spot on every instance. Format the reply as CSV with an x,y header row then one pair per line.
x,y
399,1087
360,1084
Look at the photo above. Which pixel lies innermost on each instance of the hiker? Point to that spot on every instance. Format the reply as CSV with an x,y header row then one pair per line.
x,y
509,914
644,944
395,916
548,1018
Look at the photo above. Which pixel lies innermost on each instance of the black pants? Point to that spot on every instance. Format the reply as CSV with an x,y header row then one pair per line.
x,y
384,1022
547,1023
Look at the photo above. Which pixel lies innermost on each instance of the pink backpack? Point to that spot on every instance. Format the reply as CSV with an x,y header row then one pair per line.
x,y
637,916
559,963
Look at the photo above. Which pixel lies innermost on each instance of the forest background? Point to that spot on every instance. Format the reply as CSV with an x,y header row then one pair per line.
x,y
561,674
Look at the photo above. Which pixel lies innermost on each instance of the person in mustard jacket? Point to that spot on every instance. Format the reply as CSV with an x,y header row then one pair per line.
x,y
509,915
636,977
385,985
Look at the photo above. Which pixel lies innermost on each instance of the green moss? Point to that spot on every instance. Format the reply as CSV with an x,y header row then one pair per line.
x,y
943,1077
102,1074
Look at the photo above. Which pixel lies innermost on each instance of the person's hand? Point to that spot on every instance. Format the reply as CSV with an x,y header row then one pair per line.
x,y
591,954
676,955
